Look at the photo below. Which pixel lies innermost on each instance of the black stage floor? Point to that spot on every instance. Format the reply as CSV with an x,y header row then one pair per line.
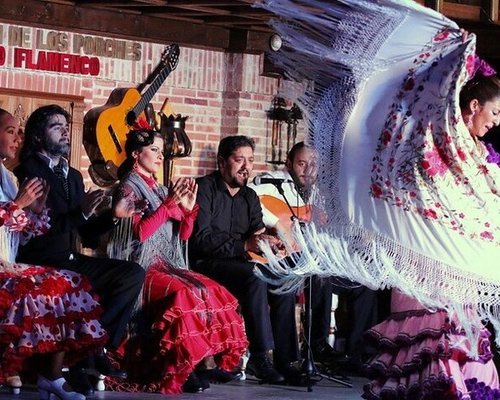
x,y
249,389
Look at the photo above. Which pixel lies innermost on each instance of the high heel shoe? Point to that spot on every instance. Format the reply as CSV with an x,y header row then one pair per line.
x,y
14,383
47,387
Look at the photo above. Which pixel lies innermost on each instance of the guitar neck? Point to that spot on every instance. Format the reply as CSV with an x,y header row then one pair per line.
x,y
151,90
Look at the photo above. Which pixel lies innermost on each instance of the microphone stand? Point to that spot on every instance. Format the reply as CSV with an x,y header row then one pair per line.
x,y
308,364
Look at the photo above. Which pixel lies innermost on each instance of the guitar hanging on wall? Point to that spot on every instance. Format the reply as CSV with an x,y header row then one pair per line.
x,y
105,128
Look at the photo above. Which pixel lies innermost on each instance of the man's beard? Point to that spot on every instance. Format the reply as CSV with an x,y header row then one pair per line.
x,y
235,183
57,149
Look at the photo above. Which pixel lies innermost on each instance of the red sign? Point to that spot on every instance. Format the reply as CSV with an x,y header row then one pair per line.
x,y
54,62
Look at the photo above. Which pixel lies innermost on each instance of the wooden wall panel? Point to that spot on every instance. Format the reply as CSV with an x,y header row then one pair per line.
x,y
22,103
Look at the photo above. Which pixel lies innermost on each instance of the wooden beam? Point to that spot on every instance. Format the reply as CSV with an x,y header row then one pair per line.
x,y
212,3
111,4
61,2
244,41
461,11
177,17
112,9
208,10
228,19
113,23
434,4
153,2
121,3
490,8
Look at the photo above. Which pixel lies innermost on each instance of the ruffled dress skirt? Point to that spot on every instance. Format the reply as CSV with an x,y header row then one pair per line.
x,y
185,318
43,310
421,355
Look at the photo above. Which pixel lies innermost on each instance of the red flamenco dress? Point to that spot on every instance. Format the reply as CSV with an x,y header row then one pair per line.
x,y
185,316
42,310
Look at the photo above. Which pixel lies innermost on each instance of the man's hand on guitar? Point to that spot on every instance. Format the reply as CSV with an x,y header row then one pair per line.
x,y
277,246
252,244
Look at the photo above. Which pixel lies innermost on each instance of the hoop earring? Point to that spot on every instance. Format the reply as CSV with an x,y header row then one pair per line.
x,y
135,167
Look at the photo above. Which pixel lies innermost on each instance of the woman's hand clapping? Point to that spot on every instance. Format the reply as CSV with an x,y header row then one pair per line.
x,y
33,194
184,192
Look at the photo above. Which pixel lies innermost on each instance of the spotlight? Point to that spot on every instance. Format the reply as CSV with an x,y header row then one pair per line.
x,y
275,42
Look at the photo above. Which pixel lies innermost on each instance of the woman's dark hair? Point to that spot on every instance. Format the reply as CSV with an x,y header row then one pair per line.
x,y
4,112
136,140
230,144
35,128
483,88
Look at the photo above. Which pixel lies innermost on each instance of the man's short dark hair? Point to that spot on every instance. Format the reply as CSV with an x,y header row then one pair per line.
x,y
294,150
35,128
230,144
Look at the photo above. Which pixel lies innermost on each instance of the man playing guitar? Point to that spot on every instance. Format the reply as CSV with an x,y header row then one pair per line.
x,y
288,195
291,194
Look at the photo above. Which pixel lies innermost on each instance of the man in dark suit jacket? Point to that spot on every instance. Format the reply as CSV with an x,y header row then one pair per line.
x,y
72,210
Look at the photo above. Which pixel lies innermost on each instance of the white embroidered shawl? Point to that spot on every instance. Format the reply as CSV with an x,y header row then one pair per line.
x,y
411,200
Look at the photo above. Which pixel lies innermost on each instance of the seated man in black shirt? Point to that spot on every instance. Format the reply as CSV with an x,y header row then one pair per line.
x,y
229,225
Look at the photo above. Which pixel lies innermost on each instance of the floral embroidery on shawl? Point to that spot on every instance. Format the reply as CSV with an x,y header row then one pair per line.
x,y
13,217
424,145
28,223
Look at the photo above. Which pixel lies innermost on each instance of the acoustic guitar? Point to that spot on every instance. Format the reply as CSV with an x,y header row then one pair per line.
x,y
105,128
279,208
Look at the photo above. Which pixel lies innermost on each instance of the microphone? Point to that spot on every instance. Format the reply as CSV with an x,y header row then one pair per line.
x,y
262,180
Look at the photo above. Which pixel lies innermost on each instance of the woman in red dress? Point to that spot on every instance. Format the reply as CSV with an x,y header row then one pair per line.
x,y
45,313
185,317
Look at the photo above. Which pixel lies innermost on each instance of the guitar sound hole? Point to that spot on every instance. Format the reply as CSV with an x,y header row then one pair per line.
x,y
131,118
114,137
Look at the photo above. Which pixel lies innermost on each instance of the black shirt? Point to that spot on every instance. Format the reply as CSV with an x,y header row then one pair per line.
x,y
224,222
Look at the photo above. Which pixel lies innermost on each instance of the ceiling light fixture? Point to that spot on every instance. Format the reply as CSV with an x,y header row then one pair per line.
x,y
275,42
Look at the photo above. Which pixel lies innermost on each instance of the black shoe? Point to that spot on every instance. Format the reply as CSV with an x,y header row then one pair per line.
x,y
204,381
325,354
218,375
103,365
293,376
79,381
352,366
261,367
193,384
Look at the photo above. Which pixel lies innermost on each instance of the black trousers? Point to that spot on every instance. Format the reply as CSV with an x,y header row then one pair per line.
x,y
269,318
116,282
362,310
